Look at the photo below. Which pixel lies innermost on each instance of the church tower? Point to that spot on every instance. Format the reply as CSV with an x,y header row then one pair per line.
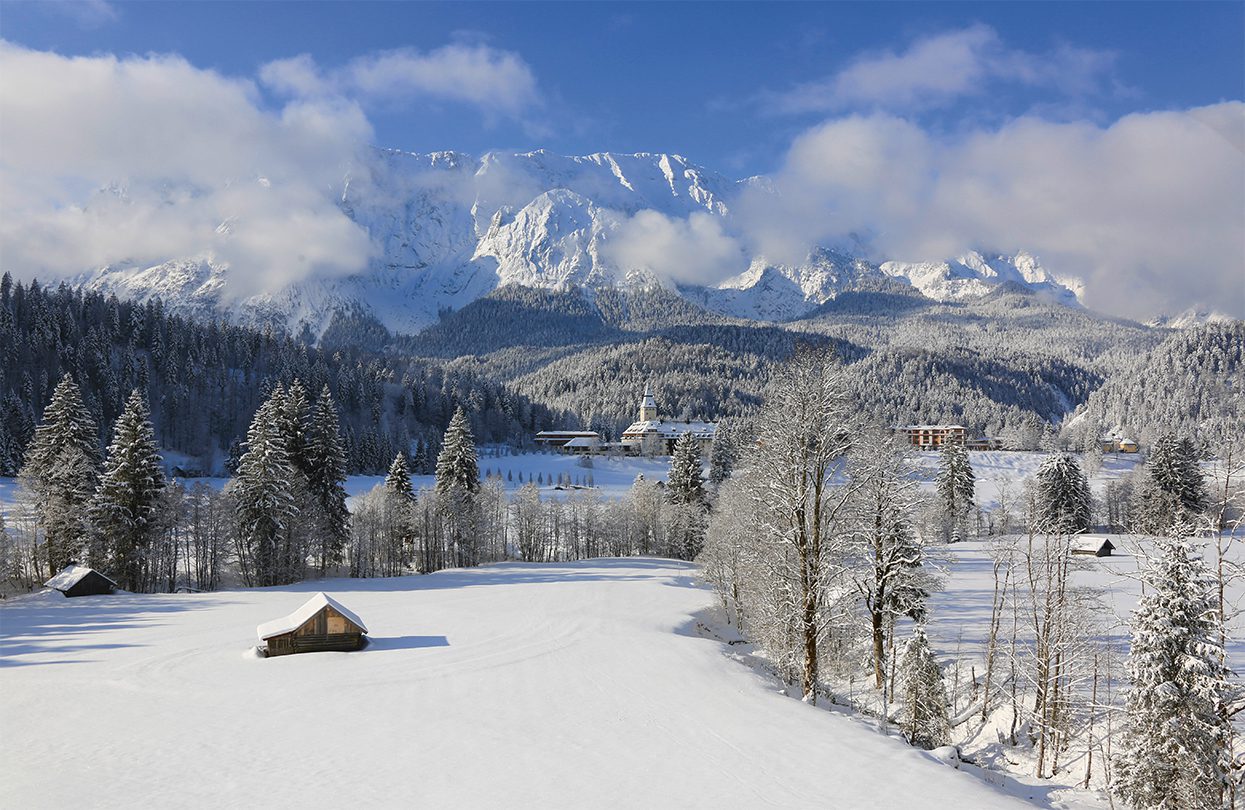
x,y
648,407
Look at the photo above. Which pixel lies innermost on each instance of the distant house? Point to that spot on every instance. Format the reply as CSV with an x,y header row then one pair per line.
x,y
1095,547
582,445
651,436
933,437
560,439
78,580
321,624
1118,444
983,443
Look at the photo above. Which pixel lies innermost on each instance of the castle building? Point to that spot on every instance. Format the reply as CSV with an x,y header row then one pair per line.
x,y
653,436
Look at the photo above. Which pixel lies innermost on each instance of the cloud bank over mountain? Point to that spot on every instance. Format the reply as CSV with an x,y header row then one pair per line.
x,y
137,160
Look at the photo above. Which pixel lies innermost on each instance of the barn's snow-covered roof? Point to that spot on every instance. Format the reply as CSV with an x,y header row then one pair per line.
x,y
295,620
70,576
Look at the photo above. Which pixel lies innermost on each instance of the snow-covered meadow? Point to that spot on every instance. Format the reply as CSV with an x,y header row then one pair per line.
x,y
583,684
603,682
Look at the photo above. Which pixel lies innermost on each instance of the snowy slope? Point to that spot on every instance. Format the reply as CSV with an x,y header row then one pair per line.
x,y
975,274
447,228
577,685
1190,318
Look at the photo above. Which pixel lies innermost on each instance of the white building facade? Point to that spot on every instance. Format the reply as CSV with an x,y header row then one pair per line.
x,y
653,436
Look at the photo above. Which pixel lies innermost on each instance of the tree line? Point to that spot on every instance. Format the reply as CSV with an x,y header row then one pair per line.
x,y
203,380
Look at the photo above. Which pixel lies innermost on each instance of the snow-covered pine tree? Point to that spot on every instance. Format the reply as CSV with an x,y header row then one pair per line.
x,y
1151,509
1063,498
1174,749
956,486
419,463
398,481
724,454
61,472
925,713
1171,477
685,479
458,479
326,480
399,490
128,511
456,464
262,492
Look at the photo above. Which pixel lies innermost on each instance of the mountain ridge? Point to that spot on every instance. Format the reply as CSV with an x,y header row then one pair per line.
x,y
448,228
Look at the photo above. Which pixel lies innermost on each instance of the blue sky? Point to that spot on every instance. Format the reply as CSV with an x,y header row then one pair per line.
x,y
693,78
1108,139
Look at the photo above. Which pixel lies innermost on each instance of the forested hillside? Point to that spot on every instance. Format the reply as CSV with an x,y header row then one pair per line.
x,y
1010,364
205,380
1192,384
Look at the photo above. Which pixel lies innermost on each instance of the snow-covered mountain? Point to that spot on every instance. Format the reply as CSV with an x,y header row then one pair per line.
x,y
1190,318
448,228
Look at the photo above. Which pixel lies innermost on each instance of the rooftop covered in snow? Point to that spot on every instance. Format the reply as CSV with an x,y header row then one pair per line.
x,y
71,575
290,623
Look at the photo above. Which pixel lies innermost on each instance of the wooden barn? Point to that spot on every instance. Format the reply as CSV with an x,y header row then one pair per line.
x,y
1094,547
78,580
321,624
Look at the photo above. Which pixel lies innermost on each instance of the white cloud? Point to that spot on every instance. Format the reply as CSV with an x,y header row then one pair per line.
x,y
182,150
499,83
1149,211
696,250
938,69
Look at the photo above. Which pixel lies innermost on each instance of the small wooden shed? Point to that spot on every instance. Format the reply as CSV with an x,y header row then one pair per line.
x,y
1093,547
321,624
79,580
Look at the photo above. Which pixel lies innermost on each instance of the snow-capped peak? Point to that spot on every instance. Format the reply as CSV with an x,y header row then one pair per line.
x,y
448,228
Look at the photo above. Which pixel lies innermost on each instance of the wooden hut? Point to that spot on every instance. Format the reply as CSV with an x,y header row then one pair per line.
x,y
1092,547
322,623
78,580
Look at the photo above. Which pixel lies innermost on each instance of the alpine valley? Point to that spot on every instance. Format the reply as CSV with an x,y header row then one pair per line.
x,y
499,283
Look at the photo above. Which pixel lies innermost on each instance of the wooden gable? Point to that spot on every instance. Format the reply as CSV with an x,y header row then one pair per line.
x,y
327,621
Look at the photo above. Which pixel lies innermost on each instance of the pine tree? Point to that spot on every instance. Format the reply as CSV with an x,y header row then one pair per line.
x,y
262,490
458,479
956,485
398,481
925,711
61,473
685,480
1063,498
1151,508
456,464
326,479
1171,477
127,510
724,454
419,464
1175,743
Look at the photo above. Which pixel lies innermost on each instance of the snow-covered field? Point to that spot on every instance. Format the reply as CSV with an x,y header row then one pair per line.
x,y
516,685
511,685
613,477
